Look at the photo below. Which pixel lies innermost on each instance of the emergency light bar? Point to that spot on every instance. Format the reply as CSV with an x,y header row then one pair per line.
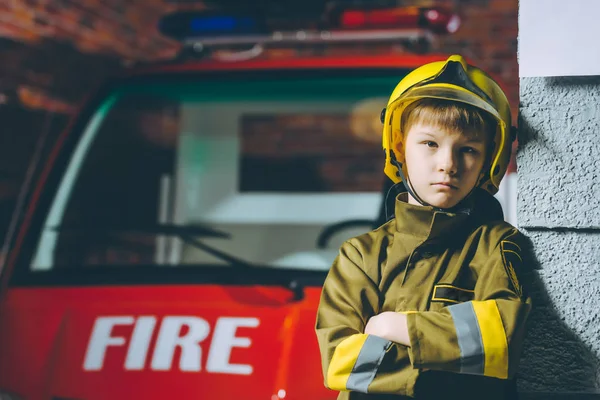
x,y
201,29
202,25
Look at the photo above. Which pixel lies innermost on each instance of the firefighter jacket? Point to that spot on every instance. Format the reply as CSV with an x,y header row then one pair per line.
x,y
457,275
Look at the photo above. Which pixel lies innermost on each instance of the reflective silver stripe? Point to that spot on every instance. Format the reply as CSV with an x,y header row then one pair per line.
x,y
367,363
472,357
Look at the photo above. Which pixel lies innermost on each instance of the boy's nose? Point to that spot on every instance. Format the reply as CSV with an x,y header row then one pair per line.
x,y
448,162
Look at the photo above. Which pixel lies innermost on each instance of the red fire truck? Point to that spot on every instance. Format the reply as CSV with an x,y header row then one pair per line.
x,y
175,243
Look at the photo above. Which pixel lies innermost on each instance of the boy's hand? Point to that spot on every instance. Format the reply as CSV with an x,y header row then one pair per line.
x,y
389,325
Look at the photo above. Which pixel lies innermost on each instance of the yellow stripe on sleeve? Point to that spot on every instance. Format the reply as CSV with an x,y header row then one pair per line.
x,y
493,337
343,360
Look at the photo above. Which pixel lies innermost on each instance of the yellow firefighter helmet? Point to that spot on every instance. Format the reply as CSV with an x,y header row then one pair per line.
x,y
454,80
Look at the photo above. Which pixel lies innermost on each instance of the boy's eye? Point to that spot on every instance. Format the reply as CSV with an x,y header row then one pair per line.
x,y
470,150
429,143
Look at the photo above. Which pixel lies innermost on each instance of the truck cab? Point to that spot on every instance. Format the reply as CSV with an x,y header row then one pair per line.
x,y
176,240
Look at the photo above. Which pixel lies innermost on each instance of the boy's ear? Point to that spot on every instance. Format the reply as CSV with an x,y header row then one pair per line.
x,y
513,133
399,146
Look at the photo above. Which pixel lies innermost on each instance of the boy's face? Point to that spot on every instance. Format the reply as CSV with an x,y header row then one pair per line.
x,y
443,166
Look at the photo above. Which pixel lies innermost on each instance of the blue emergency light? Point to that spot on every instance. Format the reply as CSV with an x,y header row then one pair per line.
x,y
201,24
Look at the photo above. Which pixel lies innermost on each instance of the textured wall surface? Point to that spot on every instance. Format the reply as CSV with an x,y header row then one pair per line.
x,y
559,152
559,210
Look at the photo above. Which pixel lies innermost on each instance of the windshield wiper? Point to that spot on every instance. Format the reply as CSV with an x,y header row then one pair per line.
x,y
232,260
187,233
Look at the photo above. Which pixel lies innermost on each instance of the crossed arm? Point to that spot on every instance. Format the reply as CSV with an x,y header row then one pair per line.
x,y
370,351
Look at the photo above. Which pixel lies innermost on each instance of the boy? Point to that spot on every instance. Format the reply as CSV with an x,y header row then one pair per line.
x,y
430,305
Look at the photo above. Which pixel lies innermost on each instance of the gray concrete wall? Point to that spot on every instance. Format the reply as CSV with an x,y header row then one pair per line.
x,y
558,208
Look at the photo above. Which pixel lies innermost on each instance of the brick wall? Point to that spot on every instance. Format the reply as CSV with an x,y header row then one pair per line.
x,y
58,48
54,51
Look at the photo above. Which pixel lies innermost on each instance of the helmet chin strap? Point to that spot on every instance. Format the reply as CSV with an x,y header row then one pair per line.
x,y
408,186
411,190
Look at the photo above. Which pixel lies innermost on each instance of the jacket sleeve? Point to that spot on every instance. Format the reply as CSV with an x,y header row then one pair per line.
x,y
483,336
352,360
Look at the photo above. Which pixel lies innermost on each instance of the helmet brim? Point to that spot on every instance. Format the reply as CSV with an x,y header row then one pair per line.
x,y
448,92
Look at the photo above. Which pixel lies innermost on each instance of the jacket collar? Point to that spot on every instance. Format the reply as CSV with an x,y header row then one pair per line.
x,y
426,222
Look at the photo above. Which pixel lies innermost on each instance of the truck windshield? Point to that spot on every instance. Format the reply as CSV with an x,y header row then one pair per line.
x,y
268,161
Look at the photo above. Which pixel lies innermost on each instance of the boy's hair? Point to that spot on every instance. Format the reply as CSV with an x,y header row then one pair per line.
x,y
452,115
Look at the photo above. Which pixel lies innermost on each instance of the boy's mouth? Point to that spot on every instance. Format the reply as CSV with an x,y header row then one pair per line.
x,y
447,185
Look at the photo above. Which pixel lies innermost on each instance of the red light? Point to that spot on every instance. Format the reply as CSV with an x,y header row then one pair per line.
x,y
353,19
437,20
384,18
